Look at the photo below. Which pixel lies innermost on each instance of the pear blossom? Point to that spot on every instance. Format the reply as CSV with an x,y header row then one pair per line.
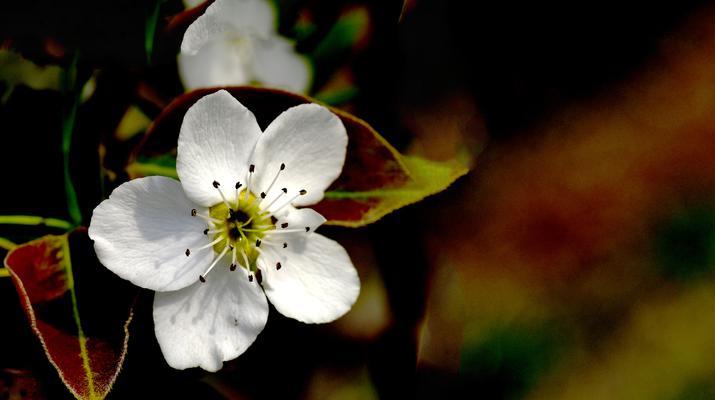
x,y
229,234
235,42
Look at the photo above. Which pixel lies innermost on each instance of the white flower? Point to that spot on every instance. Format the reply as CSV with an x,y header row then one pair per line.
x,y
235,42
214,243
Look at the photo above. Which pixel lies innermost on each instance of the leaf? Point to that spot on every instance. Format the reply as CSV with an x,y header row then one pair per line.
x,y
349,30
77,308
15,70
375,180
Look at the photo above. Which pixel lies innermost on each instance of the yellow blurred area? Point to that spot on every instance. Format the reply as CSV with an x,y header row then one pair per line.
x,y
560,230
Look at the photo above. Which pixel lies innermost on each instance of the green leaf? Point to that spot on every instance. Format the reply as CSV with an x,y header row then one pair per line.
x,y
375,179
15,70
349,30
426,178
64,292
150,29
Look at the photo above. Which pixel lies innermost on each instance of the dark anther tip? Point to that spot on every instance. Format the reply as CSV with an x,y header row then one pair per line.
x,y
263,195
278,265
206,231
232,267
284,225
285,245
193,212
251,168
258,242
303,192
216,184
285,190
202,279
238,185
307,229
187,252
283,166
250,278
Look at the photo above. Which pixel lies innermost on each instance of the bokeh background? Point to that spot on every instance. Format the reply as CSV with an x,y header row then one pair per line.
x,y
575,261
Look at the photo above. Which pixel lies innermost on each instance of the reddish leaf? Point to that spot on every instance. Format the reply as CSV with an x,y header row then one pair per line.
x,y
77,308
375,180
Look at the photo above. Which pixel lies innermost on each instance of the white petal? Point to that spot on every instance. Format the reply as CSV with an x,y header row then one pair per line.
x,y
216,64
228,19
211,322
276,64
311,141
300,218
316,283
142,231
215,142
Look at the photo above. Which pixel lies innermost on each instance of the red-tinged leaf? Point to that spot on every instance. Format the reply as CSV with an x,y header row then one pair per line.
x,y
77,308
375,180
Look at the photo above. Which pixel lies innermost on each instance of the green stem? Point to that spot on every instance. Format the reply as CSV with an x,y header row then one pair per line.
x,y
7,244
68,124
35,220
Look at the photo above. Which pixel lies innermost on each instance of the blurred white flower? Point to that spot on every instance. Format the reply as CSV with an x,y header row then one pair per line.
x,y
235,42
215,244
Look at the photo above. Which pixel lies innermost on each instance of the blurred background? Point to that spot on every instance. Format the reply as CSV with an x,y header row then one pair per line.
x,y
575,261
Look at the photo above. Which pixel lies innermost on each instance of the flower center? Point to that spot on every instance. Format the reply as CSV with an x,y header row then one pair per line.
x,y
240,225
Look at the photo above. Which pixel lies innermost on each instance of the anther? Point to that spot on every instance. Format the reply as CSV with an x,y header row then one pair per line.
x,y
307,229
202,279
285,245
284,225
285,190
283,166
193,212
303,192
278,266
206,231
232,267
251,168
263,195
216,184
187,252
258,242
250,278
238,185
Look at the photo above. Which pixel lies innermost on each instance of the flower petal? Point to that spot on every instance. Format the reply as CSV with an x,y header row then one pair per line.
x,y
299,218
226,19
142,231
276,64
215,64
311,141
215,142
211,322
316,283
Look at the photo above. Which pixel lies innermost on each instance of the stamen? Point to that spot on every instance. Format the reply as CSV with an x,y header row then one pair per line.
x,y
206,231
238,194
216,185
250,278
246,264
284,225
258,242
251,169
275,178
277,231
285,245
302,192
187,252
283,191
195,213
220,238
202,277
278,266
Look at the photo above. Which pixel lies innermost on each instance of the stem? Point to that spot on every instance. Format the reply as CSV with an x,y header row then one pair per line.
x,y
68,123
7,244
35,220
